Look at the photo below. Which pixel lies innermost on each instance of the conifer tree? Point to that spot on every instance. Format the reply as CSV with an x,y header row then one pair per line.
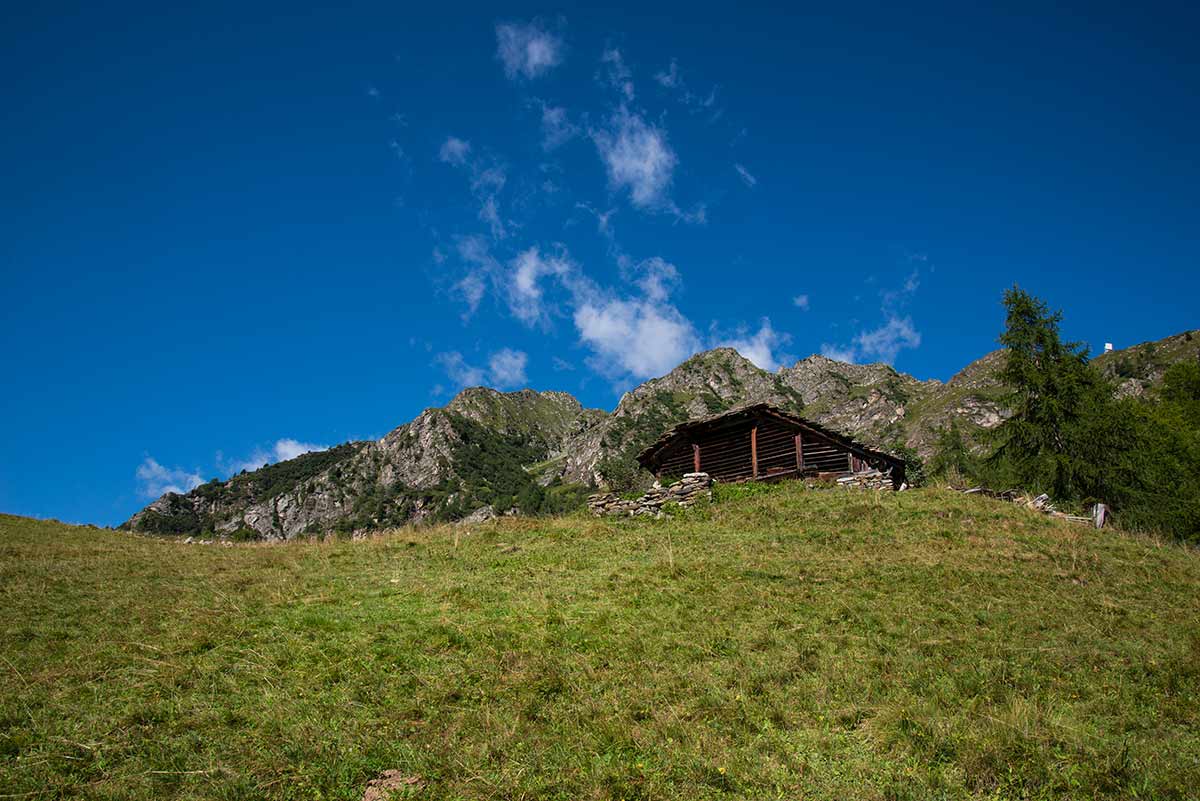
x,y
1055,393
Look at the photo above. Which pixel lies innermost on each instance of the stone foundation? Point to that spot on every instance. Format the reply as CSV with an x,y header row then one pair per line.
x,y
867,479
684,492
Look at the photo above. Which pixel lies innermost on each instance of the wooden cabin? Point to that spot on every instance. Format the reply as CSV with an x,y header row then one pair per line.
x,y
762,442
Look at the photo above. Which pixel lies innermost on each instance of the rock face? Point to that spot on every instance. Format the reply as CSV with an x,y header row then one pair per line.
x,y
542,450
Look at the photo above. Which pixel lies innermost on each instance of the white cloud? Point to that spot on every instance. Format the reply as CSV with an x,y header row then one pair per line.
x,y
656,278
635,337
525,293
882,344
489,212
474,251
897,333
285,449
562,365
507,368
157,480
454,151
602,217
557,128
762,347
838,353
487,181
471,289
749,179
800,302
457,369
638,158
669,77
618,76
885,343
282,450
486,184
527,50
892,300
672,79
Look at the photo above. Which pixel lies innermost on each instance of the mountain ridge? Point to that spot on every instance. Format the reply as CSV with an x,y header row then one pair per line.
x,y
488,452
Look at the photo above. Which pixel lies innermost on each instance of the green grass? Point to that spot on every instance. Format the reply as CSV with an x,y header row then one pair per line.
x,y
781,643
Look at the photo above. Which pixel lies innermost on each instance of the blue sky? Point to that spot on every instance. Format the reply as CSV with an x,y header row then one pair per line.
x,y
234,232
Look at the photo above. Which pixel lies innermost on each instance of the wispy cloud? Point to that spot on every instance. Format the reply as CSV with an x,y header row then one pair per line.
x,y
481,270
280,451
454,151
505,369
747,178
471,288
800,302
657,278
638,158
602,217
527,49
762,347
838,353
616,73
885,342
669,78
525,292
155,480
557,128
487,179
459,372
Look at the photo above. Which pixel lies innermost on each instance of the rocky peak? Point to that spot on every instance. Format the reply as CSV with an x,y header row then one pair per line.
x,y
487,446
545,417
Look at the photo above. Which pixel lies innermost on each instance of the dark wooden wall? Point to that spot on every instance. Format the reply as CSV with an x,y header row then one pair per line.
x,y
727,453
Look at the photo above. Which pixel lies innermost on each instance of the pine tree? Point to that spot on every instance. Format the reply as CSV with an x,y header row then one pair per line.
x,y
1055,393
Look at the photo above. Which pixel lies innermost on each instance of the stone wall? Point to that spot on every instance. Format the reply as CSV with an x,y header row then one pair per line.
x,y
684,492
868,479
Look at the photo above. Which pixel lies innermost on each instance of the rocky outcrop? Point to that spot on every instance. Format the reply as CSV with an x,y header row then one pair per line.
x,y
414,473
485,448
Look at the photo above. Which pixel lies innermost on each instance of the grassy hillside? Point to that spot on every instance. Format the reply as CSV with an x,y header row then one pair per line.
x,y
782,643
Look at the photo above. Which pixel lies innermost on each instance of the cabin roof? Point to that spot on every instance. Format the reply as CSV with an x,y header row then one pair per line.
x,y
649,457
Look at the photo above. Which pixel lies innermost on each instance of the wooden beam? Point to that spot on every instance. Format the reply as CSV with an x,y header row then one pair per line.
x,y
695,458
799,453
850,461
754,451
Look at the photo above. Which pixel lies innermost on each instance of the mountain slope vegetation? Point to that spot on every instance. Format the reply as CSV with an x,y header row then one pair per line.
x,y
781,642
489,452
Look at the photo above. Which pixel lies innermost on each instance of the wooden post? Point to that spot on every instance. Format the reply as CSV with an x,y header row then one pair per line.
x,y
850,461
754,452
695,458
799,454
